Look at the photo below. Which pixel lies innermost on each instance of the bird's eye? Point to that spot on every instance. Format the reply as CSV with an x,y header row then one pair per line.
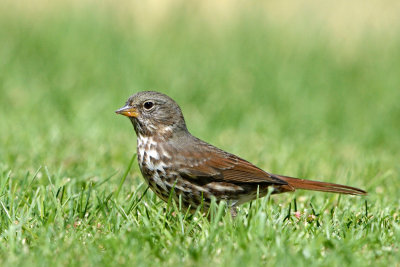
x,y
148,105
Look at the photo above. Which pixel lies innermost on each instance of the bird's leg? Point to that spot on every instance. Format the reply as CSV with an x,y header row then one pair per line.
x,y
233,210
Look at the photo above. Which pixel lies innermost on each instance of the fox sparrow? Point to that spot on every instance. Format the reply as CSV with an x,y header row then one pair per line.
x,y
174,162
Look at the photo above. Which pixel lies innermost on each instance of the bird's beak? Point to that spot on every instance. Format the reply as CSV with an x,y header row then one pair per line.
x,y
128,111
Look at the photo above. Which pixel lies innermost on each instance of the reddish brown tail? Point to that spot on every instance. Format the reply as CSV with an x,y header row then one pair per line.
x,y
296,183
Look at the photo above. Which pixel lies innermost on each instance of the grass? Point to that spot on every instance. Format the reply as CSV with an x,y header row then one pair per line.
x,y
293,100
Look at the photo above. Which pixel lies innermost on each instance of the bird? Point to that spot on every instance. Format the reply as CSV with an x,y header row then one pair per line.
x,y
177,165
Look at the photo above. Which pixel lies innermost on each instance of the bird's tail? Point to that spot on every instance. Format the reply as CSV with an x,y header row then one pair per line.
x,y
296,183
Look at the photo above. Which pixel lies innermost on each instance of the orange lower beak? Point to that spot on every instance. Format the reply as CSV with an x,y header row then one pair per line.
x,y
128,111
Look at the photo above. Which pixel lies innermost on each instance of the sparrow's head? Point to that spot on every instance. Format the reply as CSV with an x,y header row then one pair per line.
x,y
153,113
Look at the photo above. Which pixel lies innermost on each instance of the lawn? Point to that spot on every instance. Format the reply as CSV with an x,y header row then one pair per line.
x,y
306,90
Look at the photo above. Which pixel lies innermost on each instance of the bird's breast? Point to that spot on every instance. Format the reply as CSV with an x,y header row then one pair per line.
x,y
152,153
148,153
153,162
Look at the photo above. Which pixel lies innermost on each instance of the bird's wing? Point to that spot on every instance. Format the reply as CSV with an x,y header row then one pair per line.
x,y
213,164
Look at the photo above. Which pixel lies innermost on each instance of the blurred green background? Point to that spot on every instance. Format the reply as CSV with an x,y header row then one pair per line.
x,y
262,80
303,88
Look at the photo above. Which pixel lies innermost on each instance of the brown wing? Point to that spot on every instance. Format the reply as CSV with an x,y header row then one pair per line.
x,y
212,164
